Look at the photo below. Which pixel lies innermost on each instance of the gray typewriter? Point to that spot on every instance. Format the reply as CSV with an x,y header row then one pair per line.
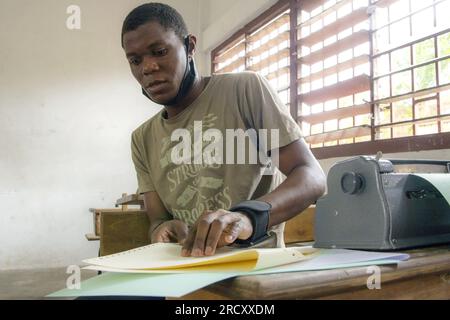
x,y
379,204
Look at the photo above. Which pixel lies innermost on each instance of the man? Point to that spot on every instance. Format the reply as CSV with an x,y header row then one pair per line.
x,y
205,206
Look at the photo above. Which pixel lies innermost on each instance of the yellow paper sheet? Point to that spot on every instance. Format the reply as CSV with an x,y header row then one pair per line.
x,y
241,266
163,257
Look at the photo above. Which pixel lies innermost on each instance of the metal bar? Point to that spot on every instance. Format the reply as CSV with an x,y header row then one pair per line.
x,y
407,144
423,64
340,113
436,54
413,82
276,57
246,57
323,13
391,106
346,43
341,89
356,61
233,65
347,133
277,73
372,82
437,118
413,42
268,28
252,26
293,66
418,93
409,15
228,44
420,100
236,49
419,161
334,28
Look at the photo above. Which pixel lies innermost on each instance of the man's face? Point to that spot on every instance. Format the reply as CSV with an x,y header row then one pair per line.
x,y
157,59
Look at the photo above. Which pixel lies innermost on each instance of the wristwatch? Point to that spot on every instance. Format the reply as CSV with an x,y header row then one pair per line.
x,y
258,213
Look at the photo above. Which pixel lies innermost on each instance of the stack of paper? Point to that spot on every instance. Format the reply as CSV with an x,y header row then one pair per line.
x,y
166,257
160,271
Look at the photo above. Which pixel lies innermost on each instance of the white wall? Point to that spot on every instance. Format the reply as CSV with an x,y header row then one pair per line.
x,y
68,104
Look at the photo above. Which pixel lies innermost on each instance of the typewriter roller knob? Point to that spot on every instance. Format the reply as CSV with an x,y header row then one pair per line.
x,y
352,183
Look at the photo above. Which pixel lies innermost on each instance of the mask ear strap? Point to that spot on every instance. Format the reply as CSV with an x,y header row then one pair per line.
x,y
145,94
192,72
189,74
187,44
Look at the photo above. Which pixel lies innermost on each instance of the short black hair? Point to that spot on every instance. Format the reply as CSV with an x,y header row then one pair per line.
x,y
165,15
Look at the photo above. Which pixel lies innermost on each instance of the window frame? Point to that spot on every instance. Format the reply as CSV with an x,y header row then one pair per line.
x,y
437,141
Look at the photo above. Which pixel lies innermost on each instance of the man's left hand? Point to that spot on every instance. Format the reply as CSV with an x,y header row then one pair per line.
x,y
215,229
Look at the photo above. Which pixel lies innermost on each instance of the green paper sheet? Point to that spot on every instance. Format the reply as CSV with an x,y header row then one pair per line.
x,y
145,285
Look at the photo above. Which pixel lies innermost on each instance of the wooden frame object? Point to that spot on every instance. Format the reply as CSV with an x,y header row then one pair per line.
x,y
123,215
121,231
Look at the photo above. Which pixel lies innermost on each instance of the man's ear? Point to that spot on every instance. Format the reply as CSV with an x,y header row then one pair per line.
x,y
191,44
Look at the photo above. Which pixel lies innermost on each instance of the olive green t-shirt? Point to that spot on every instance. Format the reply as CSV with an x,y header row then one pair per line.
x,y
228,102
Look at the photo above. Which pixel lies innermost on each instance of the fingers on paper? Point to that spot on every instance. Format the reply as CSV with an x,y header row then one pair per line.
x,y
212,230
180,233
171,232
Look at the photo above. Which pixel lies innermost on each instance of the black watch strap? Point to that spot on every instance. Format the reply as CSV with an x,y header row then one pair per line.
x,y
258,213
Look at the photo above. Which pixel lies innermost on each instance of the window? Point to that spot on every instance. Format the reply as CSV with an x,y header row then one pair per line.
x,y
264,49
232,60
334,79
411,68
268,54
365,74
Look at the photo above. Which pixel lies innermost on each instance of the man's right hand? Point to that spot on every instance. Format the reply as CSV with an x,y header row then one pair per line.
x,y
170,231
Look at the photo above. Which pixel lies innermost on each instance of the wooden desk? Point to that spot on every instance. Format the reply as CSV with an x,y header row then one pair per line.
x,y
426,275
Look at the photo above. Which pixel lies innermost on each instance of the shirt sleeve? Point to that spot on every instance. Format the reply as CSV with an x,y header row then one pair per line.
x,y
145,183
263,109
